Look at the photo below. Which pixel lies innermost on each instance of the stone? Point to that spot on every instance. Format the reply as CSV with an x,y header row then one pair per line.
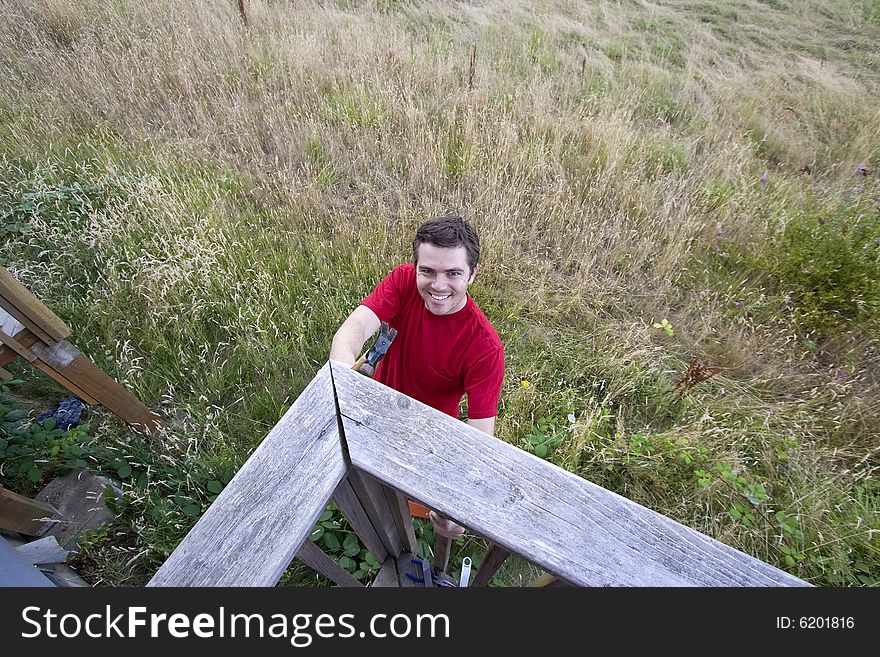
x,y
79,498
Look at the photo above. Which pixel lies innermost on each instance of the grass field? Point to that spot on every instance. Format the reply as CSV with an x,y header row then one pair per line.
x,y
204,203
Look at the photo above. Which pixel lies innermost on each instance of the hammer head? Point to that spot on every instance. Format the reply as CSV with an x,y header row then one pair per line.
x,y
378,350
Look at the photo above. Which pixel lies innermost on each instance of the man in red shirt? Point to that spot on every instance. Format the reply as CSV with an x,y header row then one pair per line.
x,y
445,347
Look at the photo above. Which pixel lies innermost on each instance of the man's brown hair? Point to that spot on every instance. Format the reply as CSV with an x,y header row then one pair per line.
x,y
449,232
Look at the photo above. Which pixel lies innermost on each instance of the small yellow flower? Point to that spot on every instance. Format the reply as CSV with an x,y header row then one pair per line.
x,y
525,384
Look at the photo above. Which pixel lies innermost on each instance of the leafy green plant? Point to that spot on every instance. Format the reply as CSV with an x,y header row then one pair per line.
x,y
337,539
665,326
828,263
821,267
544,436
30,452
750,506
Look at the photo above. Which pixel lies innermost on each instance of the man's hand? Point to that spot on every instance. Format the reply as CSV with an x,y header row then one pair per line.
x,y
445,526
486,424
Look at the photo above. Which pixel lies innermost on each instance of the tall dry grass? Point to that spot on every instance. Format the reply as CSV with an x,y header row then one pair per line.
x,y
246,187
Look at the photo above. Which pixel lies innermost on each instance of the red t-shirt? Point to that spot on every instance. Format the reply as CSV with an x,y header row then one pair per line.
x,y
438,358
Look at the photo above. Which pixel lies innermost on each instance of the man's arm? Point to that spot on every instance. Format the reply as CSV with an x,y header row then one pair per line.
x,y
351,336
484,424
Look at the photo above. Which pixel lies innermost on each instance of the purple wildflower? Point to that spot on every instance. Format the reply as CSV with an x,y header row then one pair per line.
x,y
764,178
739,304
841,376
877,240
719,231
860,170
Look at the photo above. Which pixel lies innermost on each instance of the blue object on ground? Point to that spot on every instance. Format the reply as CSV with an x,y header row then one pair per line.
x,y
66,415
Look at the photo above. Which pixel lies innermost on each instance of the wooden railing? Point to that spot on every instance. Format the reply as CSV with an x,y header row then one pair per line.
x,y
370,447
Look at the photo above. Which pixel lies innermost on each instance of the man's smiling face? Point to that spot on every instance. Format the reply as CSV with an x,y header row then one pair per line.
x,y
442,277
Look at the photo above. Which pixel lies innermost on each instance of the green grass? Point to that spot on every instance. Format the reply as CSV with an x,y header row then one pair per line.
x,y
203,205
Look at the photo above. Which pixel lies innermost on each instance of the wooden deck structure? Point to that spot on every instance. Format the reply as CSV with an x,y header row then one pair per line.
x,y
370,447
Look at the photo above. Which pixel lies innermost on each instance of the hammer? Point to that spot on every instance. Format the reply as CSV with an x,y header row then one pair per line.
x,y
367,363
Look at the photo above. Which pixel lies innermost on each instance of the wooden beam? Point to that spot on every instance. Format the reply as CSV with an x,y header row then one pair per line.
x,y
490,564
17,347
68,362
26,308
402,518
256,526
70,385
319,561
570,527
6,307
441,552
5,375
372,498
348,503
23,515
24,337
387,577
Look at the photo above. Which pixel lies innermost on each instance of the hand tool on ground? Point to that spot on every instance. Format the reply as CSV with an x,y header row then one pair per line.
x,y
367,363
465,572
429,578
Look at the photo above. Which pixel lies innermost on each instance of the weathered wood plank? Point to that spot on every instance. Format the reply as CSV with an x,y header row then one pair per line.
x,y
402,518
441,552
348,503
490,565
22,514
319,561
67,383
15,296
67,360
567,525
31,326
256,526
17,347
387,577
5,375
24,337
372,498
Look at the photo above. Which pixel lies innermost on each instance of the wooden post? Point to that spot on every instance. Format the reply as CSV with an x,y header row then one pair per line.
x,y
491,562
372,498
350,506
441,552
402,518
318,560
